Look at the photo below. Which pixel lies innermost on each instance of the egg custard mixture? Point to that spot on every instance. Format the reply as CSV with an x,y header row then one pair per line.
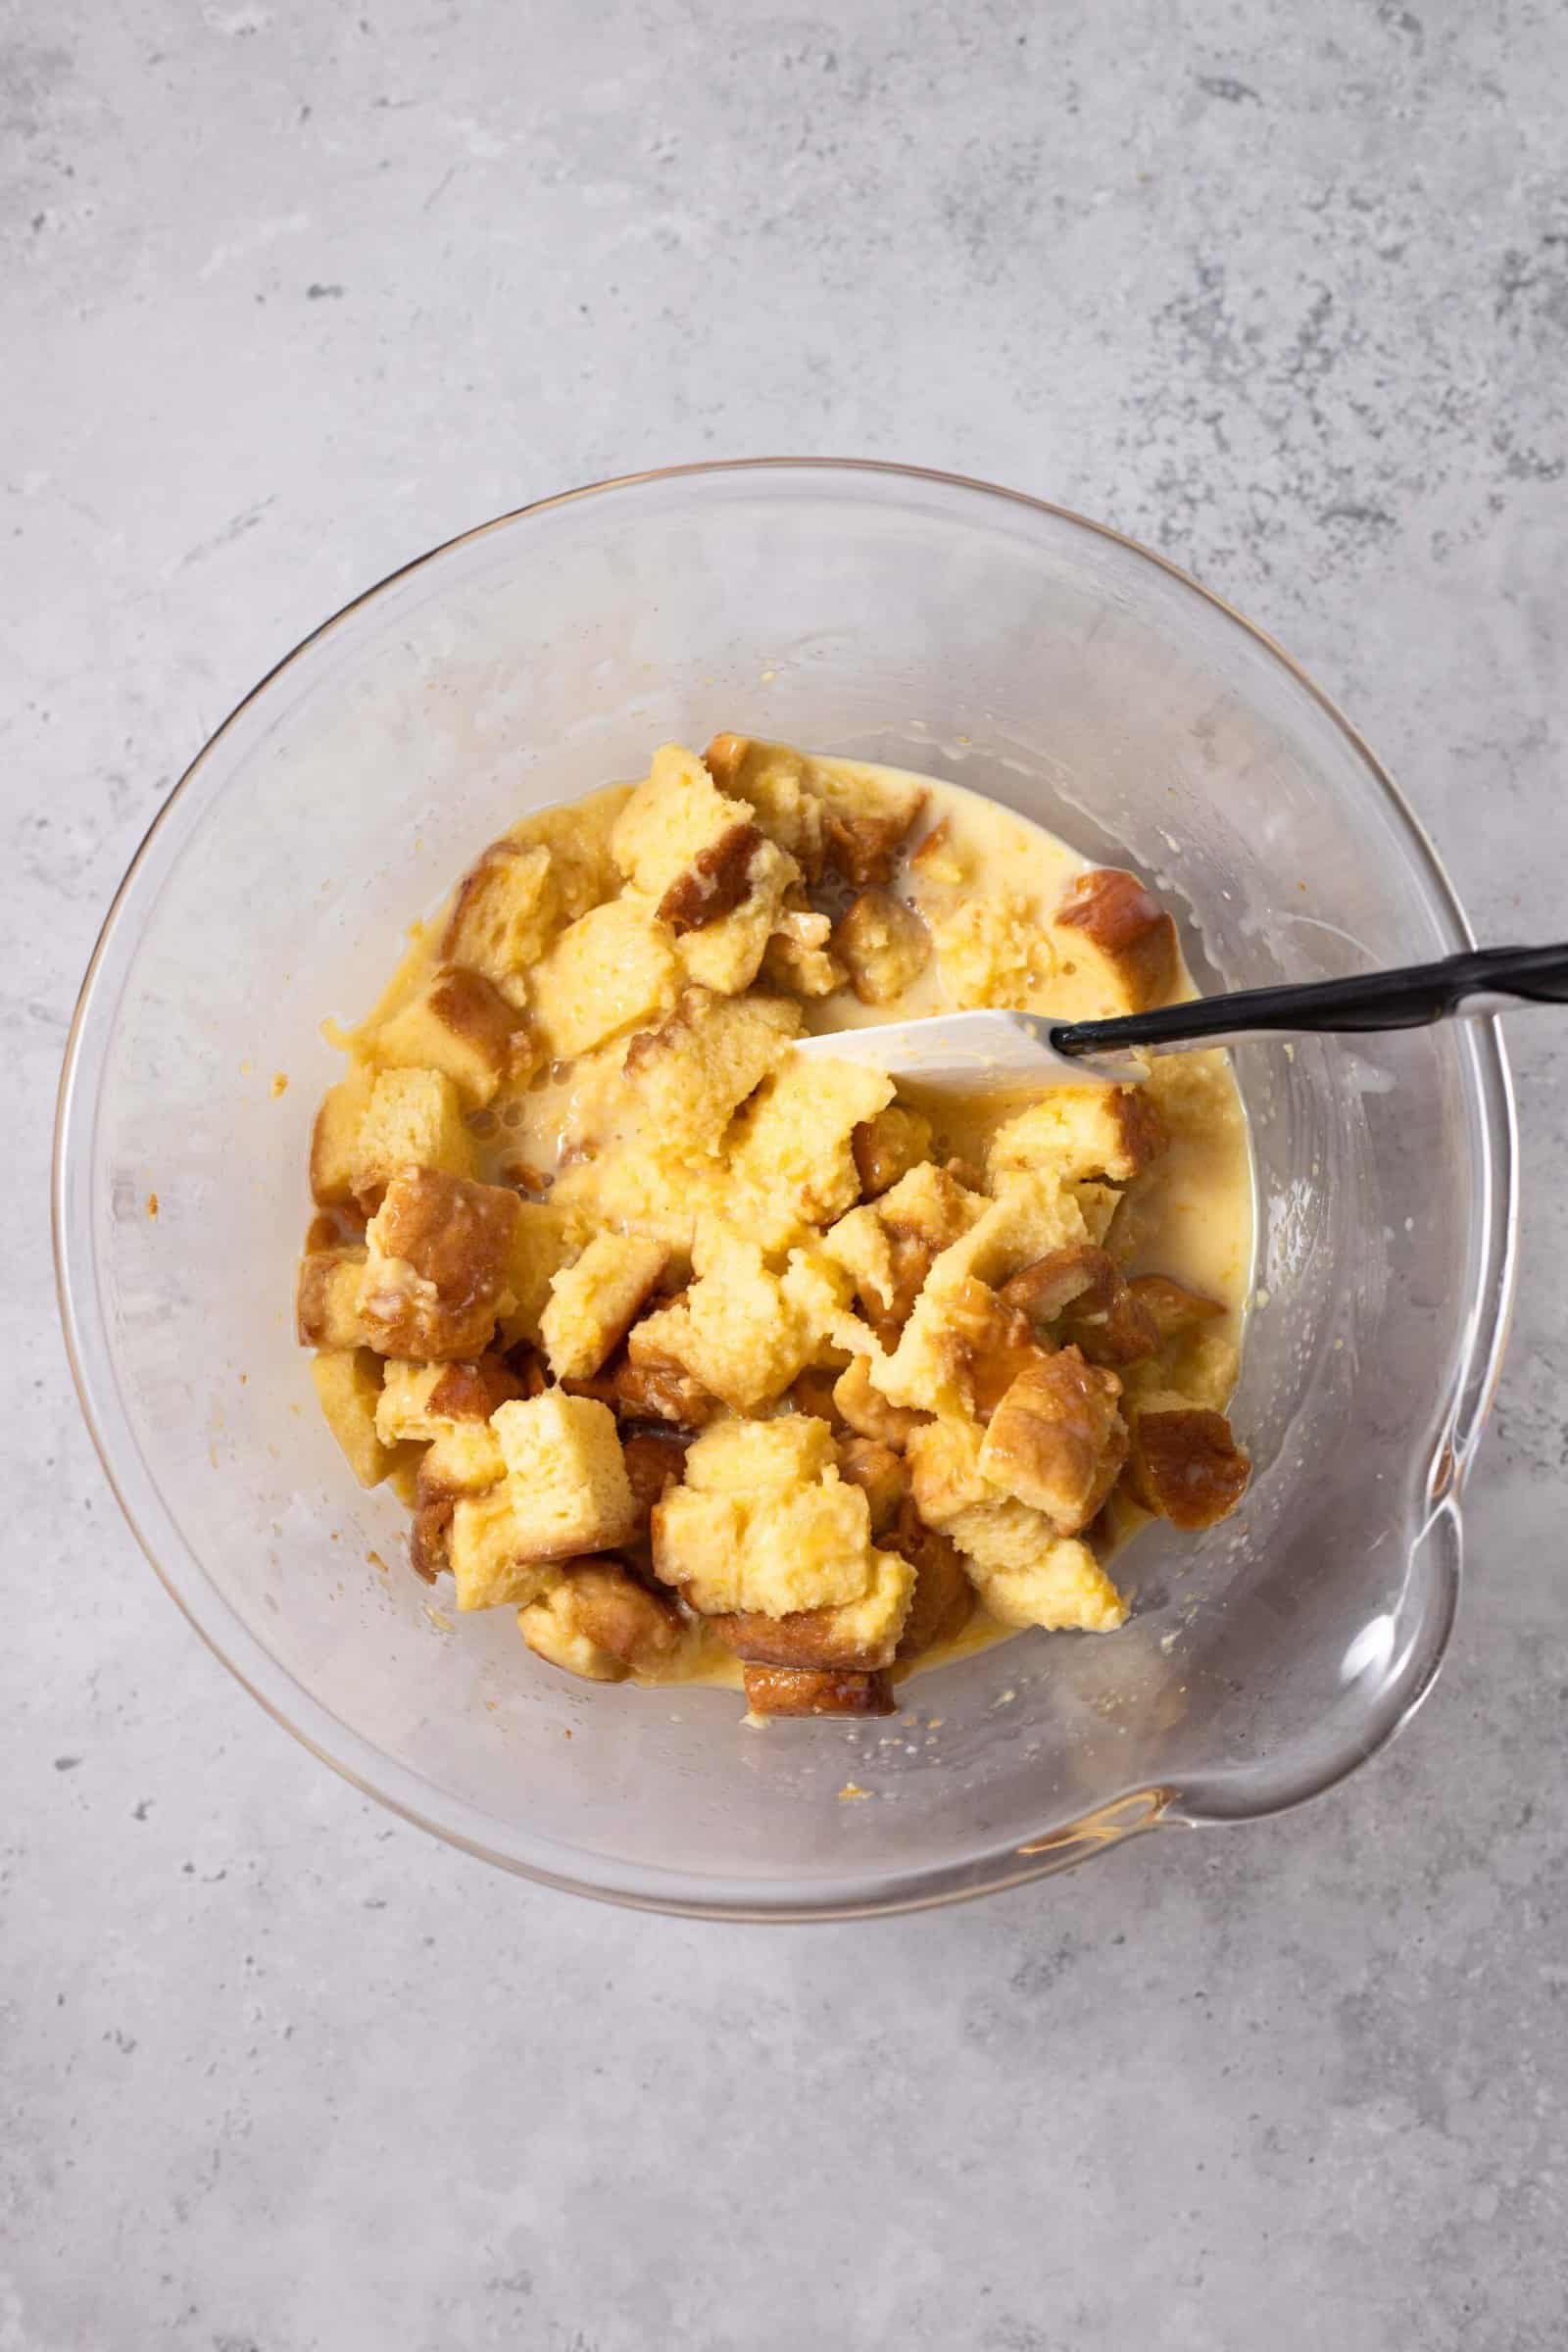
x,y
713,1362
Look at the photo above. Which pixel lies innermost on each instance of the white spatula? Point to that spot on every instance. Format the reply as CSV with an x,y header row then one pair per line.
x,y
1000,1052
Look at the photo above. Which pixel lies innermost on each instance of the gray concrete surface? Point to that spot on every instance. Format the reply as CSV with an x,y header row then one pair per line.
x,y
291,292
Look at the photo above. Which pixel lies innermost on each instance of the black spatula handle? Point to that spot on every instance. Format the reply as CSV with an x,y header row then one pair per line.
x,y
1410,999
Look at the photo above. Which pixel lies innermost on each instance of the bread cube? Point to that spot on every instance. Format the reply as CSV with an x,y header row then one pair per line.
x,y
736,1457
960,1352
779,787
327,1310
799,957
506,912
541,1245
1186,1464
862,1633
943,1599
991,951
1172,1308
565,1474
656,1389
1056,1440
599,1622
1073,1132
882,944
937,866
865,819
725,952
887,1147
743,1331
440,1248
489,1549
676,815
802,1690
879,1473
458,1023
347,1382
335,1136
464,1458
594,1301
795,1145
655,1461
425,1400
780,1550
867,1411
1115,946
577,836
1063,1588
610,971
414,1120
693,1072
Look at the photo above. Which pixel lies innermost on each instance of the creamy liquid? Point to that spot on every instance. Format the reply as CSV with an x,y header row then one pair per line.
x,y
1191,1216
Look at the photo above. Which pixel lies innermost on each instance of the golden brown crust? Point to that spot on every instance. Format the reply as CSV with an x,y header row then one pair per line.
x,y
811,1392
471,1391
887,1147
438,1265
880,1475
803,1637
1173,1309
715,882
609,1608
861,846
785,1690
882,944
474,1009
653,1389
1127,923
1187,1466
326,1313
944,1597
867,1411
1078,1275
1056,1440
654,1462
1120,1331
429,1537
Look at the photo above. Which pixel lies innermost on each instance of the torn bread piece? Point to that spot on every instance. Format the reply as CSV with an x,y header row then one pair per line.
x,y
348,1383
1074,1132
598,1622
507,910
1184,1465
436,1275
690,1073
459,1023
799,1690
1056,1440
594,1301
1114,944
413,1119
882,944
612,970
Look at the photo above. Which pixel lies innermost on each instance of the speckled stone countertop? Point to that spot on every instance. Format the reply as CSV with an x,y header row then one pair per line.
x,y
290,293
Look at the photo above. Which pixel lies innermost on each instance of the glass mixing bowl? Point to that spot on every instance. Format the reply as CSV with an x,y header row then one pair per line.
x,y
892,616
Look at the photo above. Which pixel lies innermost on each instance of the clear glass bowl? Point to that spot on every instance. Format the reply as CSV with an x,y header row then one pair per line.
x,y
894,615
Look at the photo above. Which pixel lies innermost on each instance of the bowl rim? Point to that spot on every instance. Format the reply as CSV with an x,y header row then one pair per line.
x,y
1132,1812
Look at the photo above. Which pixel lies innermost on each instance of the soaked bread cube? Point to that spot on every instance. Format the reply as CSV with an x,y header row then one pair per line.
x,y
742,1331
879,1473
566,1473
802,1691
425,1400
577,836
1073,1132
692,1073
347,1382
414,1120
506,912
1062,1588
597,1621
1186,1464
865,819
611,969
782,1545
882,944
862,1633
725,950
991,951
736,1457
777,785
943,1599
335,1138
327,1305
795,1147
594,1301
799,957
887,1147
489,1549
1115,946
1056,1440
458,1023
462,1458
867,1411
541,1245
440,1247
675,817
